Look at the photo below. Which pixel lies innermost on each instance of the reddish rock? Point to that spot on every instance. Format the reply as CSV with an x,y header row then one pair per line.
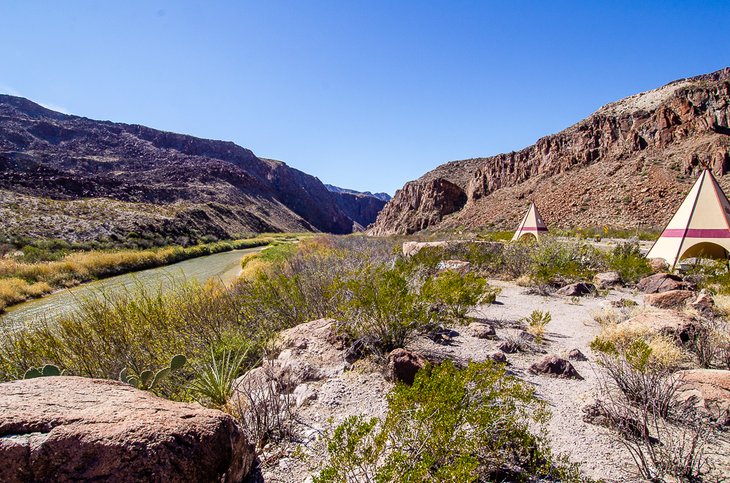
x,y
658,264
403,365
554,366
577,289
661,282
671,299
64,429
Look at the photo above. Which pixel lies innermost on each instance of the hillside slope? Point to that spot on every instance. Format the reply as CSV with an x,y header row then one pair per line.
x,y
626,166
78,179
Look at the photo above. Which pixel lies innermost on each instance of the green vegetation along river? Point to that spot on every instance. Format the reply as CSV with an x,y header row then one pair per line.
x,y
223,266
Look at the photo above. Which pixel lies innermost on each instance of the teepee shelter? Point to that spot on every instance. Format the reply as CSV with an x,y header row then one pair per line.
x,y
700,227
531,225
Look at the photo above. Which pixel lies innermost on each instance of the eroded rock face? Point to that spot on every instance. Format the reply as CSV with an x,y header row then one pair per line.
x,y
62,429
419,205
403,365
554,366
584,174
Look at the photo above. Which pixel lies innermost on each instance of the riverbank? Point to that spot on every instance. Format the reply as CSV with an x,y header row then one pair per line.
x,y
20,281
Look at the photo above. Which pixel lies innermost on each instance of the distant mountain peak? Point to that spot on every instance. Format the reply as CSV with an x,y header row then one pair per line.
x,y
336,189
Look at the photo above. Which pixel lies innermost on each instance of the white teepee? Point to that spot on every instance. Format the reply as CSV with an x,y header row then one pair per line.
x,y
700,227
531,224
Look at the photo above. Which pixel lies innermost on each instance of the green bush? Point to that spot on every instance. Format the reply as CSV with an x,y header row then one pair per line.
x,y
458,292
382,311
556,263
627,260
471,424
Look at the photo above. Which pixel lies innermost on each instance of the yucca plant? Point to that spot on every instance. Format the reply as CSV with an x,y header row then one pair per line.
x,y
213,385
536,323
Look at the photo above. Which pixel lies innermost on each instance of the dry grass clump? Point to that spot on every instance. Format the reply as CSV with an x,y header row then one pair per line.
x,y
608,316
15,290
616,338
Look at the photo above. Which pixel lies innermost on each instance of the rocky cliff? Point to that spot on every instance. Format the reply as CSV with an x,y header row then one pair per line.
x,y
628,165
78,179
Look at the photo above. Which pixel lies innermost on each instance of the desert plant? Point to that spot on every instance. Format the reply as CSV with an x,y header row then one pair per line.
x,y
458,292
627,260
262,401
45,371
214,380
536,323
148,379
452,424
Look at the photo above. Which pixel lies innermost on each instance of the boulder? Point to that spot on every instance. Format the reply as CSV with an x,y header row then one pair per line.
x,y
481,331
661,282
576,355
555,366
66,428
411,248
671,299
403,365
576,289
308,352
526,337
709,390
455,265
606,280
676,325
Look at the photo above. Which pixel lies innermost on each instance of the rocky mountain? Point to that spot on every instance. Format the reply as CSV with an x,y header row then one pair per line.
x,y
336,189
362,207
79,179
628,165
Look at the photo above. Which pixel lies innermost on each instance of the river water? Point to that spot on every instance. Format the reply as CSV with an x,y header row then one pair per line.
x,y
223,266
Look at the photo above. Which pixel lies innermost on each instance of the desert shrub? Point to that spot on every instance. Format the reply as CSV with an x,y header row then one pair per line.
x,y
609,316
665,436
640,375
627,260
536,323
471,424
264,406
382,311
555,263
708,340
458,292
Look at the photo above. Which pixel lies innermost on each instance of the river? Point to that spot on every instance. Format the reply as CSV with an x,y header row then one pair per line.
x,y
223,266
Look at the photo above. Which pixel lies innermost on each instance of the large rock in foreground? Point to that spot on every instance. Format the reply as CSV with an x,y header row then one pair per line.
x,y
77,429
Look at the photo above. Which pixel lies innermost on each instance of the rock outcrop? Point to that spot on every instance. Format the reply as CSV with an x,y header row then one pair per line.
x,y
628,164
62,429
62,169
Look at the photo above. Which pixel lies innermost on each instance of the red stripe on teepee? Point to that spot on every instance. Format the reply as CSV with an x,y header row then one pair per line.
x,y
697,233
534,228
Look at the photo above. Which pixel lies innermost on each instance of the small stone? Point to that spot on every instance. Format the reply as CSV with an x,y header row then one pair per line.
x,y
554,366
498,356
303,394
508,347
576,355
527,337
481,331
704,304
607,279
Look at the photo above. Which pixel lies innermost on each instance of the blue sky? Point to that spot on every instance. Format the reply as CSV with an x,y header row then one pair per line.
x,y
362,94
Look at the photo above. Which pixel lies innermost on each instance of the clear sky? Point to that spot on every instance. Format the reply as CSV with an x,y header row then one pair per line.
x,y
362,94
